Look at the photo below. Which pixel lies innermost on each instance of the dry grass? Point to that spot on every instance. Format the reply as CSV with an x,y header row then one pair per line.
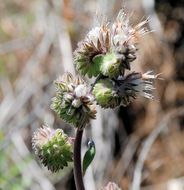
x,y
37,39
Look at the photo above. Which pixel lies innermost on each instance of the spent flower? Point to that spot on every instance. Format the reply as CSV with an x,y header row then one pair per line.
x,y
113,93
133,85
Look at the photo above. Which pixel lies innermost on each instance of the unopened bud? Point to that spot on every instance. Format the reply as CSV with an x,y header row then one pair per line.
x,y
111,186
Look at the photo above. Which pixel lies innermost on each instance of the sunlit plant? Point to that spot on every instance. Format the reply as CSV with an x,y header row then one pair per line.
x,y
106,53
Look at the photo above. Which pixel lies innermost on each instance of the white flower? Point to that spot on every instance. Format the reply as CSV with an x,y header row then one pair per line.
x,y
81,90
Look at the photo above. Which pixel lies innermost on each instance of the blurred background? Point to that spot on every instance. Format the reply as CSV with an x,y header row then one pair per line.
x,y
138,147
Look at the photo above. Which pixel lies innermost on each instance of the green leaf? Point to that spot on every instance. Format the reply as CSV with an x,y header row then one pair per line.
x,y
98,59
89,155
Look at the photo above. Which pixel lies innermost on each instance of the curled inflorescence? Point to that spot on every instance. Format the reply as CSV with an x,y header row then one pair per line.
x,y
73,101
53,147
106,53
109,49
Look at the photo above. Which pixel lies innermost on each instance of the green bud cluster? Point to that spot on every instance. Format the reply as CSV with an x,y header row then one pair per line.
x,y
52,147
73,101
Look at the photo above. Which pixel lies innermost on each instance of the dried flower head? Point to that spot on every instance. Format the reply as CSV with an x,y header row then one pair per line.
x,y
133,85
113,93
53,147
73,101
111,186
109,49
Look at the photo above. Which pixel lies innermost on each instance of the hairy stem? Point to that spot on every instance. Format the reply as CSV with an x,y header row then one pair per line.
x,y
77,161
97,79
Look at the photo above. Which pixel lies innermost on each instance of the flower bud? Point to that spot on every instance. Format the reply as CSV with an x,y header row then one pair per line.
x,y
111,186
53,147
73,101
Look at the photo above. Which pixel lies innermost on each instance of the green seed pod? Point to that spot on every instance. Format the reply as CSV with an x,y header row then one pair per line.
x,y
73,101
106,94
53,147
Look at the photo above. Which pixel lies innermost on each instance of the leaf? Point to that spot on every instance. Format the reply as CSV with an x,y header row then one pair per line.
x,y
89,155
98,59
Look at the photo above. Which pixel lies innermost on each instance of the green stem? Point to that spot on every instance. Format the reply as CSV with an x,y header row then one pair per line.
x,y
77,161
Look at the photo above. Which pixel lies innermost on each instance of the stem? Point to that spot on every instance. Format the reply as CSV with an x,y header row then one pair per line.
x,y
97,79
78,176
77,161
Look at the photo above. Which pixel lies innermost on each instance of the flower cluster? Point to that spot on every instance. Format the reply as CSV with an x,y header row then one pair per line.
x,y
107,52
111,93
53,147
73,101
109,49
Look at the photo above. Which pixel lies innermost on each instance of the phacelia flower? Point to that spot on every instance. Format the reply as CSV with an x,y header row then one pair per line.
x,y
125,38
53,147
73,101
111,186
109,49
113,93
